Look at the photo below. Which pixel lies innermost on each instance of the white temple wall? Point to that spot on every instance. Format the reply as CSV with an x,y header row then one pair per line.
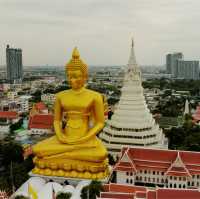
x,y
158,178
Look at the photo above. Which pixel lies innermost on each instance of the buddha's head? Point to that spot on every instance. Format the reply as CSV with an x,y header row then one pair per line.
x,y
76,71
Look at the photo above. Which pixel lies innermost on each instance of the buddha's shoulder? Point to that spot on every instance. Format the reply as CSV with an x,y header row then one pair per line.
x,y
62,93
94,93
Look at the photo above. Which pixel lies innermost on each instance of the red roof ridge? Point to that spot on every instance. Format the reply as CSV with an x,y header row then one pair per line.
x,y
156,149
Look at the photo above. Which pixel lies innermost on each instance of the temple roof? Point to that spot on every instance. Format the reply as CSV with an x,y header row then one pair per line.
x,y
171,162
41,121
8,114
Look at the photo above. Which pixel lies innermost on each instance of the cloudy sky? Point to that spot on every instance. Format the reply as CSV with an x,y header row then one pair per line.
x,y
47,30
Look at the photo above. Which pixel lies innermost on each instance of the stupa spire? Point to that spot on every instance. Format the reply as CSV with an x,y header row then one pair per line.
x,y
132,59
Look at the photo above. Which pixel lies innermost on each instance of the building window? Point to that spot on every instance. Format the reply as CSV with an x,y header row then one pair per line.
x,y
174,185
137,178
131,181
145,171
153,172
127,173
192,183
127,180
184,186
131,174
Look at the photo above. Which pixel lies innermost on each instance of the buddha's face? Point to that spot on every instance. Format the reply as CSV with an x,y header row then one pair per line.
x,y
76,79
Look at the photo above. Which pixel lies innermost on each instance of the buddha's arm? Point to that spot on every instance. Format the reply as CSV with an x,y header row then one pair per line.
x,y
98,118
57,121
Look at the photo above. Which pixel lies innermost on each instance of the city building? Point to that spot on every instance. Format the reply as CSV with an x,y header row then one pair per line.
x,y
14,65
168,168
6,119
132,124
171,63
120,191
48,98
180,68
24,103
187,69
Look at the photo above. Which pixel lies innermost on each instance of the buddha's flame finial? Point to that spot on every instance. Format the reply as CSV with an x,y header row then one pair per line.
x,y
75,53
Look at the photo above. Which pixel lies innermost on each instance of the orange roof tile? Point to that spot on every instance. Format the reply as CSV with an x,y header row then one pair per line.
x,y
8,114
40,106
177,194
160,160
41,121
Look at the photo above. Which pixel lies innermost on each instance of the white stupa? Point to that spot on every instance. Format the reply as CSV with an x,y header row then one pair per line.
x,y
132,123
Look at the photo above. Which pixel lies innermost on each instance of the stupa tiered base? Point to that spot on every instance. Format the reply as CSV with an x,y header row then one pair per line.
x,y
72,169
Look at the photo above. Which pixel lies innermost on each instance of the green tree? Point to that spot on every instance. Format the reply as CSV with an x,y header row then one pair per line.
x,y
16,126
21,197
62,195
12,152
92,190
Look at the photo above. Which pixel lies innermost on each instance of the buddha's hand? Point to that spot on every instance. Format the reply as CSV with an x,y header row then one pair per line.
x,y
62,138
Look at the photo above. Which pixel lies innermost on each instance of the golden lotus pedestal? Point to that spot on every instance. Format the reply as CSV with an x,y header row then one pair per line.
x,y
72,169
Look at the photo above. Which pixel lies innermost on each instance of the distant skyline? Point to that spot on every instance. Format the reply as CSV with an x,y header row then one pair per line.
x,y
48,30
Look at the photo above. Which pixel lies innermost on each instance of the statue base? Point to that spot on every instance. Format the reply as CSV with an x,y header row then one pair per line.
x,y
65,180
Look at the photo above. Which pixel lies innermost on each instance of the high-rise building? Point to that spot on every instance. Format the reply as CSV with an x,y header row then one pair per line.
x,y
132,124
187,69
14,65
171,63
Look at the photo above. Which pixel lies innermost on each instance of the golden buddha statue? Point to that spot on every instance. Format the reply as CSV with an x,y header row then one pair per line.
x,y
74,151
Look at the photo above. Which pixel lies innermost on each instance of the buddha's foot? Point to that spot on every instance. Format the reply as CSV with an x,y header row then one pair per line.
x,y
72,173
71,168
